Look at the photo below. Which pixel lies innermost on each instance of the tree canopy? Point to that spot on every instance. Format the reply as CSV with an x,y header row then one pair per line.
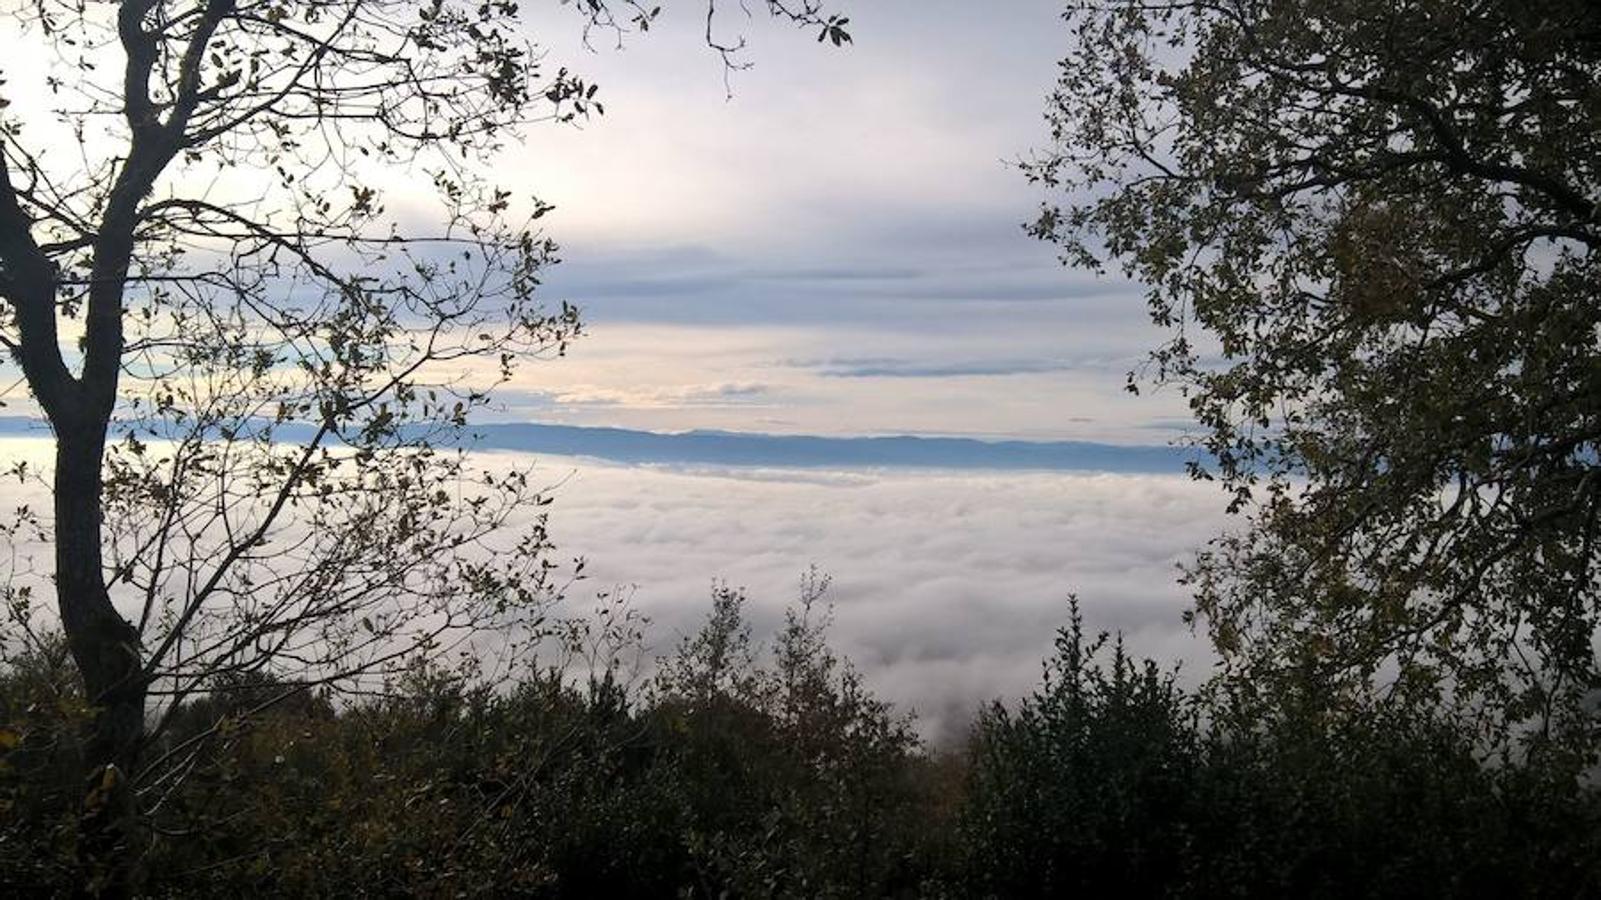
x,y
1371,230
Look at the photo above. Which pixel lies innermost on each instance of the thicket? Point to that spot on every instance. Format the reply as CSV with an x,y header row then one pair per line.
x,y
743,769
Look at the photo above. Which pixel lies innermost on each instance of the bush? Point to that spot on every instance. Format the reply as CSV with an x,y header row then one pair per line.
x,y
1111,780
42,714
799,782
743,771
733,773
1083,789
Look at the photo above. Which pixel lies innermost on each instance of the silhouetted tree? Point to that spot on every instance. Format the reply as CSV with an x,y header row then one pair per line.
x,y
1372,229
252,370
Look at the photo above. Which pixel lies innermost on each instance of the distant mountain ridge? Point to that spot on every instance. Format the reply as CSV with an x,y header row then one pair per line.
x,y
733,448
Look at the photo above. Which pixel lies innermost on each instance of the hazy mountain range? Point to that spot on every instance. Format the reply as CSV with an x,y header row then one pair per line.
x,y
800,451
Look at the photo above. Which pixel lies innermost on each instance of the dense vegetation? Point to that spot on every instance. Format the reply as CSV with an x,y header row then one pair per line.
x,y
749,771
1370,229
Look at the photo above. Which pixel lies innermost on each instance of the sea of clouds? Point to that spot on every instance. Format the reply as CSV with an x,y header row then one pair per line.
x,y
947,587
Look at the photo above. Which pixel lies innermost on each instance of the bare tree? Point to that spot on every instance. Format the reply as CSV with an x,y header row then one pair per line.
x,y
258,377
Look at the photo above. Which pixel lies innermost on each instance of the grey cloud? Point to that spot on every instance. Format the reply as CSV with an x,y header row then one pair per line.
x,y
517,405
1177,425
952,370
894,367
742,390
668,285
841,273
869,188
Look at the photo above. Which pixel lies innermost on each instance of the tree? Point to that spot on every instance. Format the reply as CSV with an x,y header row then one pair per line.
x,y
798,781
1371,229
255,374
1084,787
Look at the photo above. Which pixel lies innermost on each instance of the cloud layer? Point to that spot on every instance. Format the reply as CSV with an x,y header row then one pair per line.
x,y
947,586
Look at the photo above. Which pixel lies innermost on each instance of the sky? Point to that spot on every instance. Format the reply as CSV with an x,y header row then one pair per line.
x,y
836,248
827,242
830,243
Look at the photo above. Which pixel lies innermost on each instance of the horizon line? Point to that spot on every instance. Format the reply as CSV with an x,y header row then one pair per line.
x,y
805,451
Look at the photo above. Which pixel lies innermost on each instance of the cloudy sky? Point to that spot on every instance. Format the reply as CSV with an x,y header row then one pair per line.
x,y
836,249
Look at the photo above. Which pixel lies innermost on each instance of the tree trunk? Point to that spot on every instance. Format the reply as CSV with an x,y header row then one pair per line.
x,y
106,648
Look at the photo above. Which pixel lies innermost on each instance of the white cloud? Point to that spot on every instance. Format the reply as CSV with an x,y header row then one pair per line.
x,y
947,587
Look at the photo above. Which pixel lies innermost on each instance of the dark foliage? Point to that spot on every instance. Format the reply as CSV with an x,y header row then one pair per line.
x,y
1112,781
726,774
743,772
1370,230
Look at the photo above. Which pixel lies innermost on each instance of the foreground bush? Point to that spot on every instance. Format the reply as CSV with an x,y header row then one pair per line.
x,y
1109,780
732,772
744,771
